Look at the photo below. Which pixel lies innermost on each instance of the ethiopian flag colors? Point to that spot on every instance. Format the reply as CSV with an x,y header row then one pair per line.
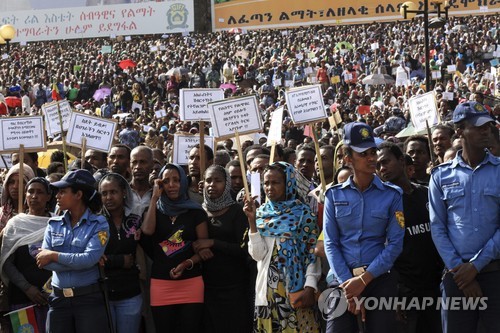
x,y
23,320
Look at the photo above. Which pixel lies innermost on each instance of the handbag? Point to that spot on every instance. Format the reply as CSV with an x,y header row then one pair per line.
x,y
293,296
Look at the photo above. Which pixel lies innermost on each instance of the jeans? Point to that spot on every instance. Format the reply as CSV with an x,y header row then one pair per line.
x,y
126,314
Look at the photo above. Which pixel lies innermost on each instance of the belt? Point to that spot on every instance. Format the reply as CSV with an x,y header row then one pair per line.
x,y
493,266
76,291
358,270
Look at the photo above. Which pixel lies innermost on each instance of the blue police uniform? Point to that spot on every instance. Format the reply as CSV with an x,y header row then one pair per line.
x,y
465,227
76,303
365,229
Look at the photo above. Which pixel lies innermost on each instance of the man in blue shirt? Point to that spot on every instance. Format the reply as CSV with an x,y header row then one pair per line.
x,y
464,197
364,230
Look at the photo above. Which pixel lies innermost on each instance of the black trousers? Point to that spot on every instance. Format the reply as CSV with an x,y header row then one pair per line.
x,y
179,318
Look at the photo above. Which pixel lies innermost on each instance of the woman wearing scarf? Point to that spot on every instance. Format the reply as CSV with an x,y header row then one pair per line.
x,y
174,223
9,208
283,233
226,275
124,220
22,239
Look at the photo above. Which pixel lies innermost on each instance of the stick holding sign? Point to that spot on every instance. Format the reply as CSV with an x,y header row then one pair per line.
x,y
202,150
320,162
82,154
20,195
242,166
63,139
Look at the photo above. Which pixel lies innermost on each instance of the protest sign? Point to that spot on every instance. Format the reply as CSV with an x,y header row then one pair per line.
x,y
449,96
52,123
235,115
436,75
99,132
27,131
194,103
183,145
305,104
275,128
5,161
451,69
160,113
135,106
106,49
423,108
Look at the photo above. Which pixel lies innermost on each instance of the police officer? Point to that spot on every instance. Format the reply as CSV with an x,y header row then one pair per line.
x,y
464,197
363,234
72,246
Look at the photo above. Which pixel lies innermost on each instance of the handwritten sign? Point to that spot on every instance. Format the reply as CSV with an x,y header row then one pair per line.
x,y
99,132
27,131
235,114
137,106
52,123
422,108
184,143
194,103
305,104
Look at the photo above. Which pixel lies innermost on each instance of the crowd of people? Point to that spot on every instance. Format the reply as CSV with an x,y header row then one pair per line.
x,y
188,250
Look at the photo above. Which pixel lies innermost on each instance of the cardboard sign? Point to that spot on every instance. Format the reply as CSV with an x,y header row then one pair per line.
x,y
106,49
99,132
194,103
136,105
27,131
160,113
184,143
5,161
374,46
452,69
52,123
436,75
235,114
274,135
449,96
335,119
422,108
305,104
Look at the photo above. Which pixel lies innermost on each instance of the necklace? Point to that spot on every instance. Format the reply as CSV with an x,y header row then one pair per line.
x,y
172,219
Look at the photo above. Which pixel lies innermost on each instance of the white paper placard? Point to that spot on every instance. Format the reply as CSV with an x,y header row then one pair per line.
x,y
255,186
436,75
121,116
193,103
422,108
448,96
488,76
160,113
128,38
52,123
5,161
374,46
235,114
27,131
289,83
452,69
184,143
277,82
299,56
136,105
274,135
99,132
308,70
305,104
153,48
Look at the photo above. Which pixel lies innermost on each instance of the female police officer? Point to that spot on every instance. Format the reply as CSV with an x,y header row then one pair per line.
x,y
72,246
363,233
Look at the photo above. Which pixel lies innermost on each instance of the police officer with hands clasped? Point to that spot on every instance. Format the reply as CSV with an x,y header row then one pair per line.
x,y
364,230
72,246
464,197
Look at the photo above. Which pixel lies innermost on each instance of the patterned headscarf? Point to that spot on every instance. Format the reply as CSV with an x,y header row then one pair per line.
x,y
183,203
294,226
225,200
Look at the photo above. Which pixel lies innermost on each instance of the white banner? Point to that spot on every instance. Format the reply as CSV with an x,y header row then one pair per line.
x,y
37,20
184,143
27,131
275,128
99,132
422,108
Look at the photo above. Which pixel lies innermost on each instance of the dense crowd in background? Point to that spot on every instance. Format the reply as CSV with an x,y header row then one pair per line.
x,y
135,178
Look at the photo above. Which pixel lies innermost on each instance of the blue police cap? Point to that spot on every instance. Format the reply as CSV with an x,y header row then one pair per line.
x,y
82,178
475,113
359,136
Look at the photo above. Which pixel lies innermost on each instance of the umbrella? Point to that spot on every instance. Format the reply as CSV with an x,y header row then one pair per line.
x,y
460,27
13,101
173,71
124,64
44,157
228,86
409,131
344,46
375,79
235,31
101,93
